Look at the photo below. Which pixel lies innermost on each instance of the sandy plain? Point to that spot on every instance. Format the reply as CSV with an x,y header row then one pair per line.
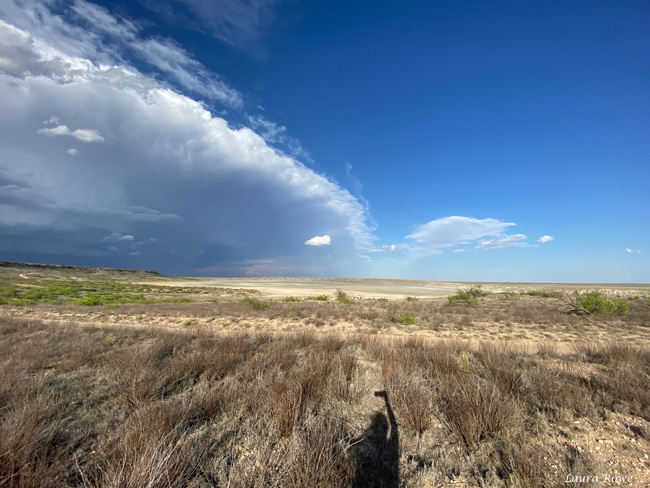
x,y
279,287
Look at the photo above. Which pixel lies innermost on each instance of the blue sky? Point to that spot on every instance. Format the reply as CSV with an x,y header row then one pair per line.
x,y
438,140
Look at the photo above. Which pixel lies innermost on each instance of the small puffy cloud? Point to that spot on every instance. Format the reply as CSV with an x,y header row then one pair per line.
x,y
117,237
458,250
87,135
503,240
73,151
319,241
84,135
59,130
544,239
391,248
632,251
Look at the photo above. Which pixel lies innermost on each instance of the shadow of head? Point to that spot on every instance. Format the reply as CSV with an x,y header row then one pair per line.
x,y
377,431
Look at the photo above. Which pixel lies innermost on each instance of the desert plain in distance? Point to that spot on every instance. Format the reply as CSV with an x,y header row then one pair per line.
x,y
280,287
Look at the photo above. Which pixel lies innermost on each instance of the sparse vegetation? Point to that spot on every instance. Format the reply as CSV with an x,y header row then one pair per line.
x,y
468,296
29,291
95,406
343,297
217,397
508,295
320,298
543,293
255,304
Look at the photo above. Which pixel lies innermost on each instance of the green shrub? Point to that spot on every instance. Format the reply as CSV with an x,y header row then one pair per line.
x,y
343,297
406,318
594,302
461,297
412,299
469,295
90,301
320,298
7,292
255,303
291,299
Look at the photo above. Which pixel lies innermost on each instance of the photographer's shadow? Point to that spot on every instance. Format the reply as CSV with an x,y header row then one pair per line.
x,y
376,454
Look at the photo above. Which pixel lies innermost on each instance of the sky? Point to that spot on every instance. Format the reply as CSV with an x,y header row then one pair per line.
x,y
428,140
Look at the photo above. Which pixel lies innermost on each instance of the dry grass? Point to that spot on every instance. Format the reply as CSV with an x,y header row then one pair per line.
x,y
98,406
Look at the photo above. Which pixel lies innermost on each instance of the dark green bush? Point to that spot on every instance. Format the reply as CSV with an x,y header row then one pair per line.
x,y
594,302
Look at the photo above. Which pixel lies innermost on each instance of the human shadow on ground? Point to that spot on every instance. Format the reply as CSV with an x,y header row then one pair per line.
x,y
375,455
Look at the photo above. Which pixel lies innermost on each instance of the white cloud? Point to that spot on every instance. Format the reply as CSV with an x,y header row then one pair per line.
x,y
277,135
52,121
72,151
99,38
100,19
431,238
240,24
632,251
84,135
166,154
87,135
170,58
319,241
503,240
544,239
455,230
117,237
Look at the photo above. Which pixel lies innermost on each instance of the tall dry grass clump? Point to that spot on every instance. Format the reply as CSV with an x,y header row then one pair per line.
x,y
475,409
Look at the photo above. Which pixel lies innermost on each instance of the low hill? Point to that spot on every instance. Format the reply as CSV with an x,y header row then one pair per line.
x,y
35,270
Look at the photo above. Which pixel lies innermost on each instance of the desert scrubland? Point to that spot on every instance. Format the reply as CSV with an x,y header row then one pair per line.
x,y
118,378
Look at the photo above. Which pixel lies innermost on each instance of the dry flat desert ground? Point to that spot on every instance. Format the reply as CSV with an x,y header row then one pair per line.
x,y
130,378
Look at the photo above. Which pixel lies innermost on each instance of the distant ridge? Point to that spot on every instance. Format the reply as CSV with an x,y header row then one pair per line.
x,y
78,269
